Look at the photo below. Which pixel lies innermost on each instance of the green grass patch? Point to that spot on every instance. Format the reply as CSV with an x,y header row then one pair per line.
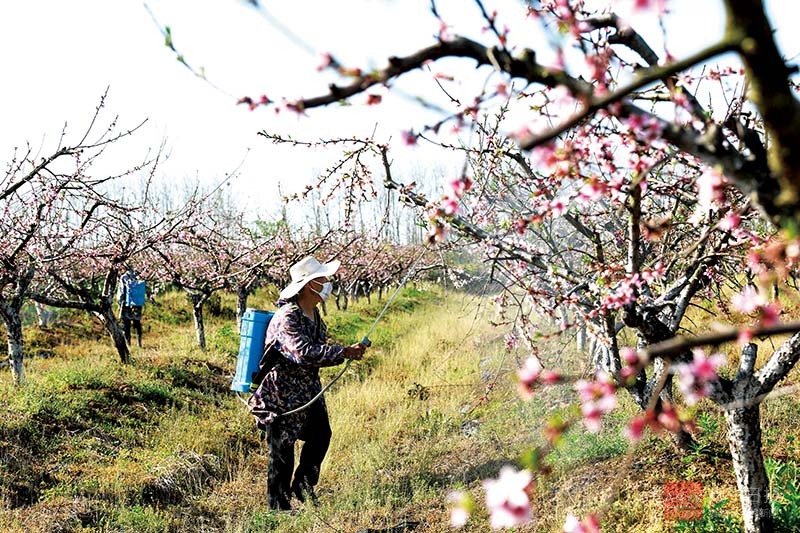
x,y
163,445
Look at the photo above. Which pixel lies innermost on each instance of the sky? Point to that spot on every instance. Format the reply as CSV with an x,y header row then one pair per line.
x,y
58,58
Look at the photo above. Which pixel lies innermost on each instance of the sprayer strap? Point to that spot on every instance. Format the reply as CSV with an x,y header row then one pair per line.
x,y
349,361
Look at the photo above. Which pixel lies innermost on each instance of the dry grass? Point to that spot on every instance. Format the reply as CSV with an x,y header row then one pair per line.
x,y
162,445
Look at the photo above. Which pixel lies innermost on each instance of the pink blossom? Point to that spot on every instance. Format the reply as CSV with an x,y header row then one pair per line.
x,y
573,524
635,428
460,185
557,207
754,263
680,98
629,355
325,61
751,301
710,193
668,418
544,156
659,5
461,504
528,375
449,205
521,133
656,273
458,517
793,250
592,417
748,301
409,137
511,341
507,498
444,32
694,377
549,377
770,314
597,399
745,336
730,221
297,107
624,294
593,190
644,127
438,232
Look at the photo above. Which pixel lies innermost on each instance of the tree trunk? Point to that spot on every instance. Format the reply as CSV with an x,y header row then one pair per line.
x,y
341,298
13,323
241,306
744,436
199,327
117,335
44,315
580,339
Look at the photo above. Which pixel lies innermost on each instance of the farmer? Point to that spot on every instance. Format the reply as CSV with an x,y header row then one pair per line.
x,y
130,303
295,349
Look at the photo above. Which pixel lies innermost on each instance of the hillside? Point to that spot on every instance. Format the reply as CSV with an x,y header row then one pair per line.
x,y
163,445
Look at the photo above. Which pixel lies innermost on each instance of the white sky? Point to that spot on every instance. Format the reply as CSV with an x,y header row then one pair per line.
x,y
59,56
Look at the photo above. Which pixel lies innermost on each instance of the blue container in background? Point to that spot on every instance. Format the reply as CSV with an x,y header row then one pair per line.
x,y
252,333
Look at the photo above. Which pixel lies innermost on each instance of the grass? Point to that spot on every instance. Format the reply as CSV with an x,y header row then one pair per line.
x,y
163,445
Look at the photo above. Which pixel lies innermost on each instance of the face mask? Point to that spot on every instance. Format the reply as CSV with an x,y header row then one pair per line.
x,y
327,289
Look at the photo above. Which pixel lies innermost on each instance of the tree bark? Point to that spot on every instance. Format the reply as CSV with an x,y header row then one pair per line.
x,y
13,323
43,315
580,338
117,335
241,306
198,300
744,436
341,298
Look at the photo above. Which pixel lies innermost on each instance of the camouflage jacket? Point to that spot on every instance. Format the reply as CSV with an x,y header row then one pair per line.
x,y
300,351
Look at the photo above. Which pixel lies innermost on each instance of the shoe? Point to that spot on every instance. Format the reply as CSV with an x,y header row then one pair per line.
x,y
279,505
303,490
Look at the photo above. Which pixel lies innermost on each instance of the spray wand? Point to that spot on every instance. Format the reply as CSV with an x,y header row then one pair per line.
x,y
364,342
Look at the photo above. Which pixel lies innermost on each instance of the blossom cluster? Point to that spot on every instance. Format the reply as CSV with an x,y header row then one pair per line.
x,y
695,377
531,373
598,398
665,418
626,289
447,207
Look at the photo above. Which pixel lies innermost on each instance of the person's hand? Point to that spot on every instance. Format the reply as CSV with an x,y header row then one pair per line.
x,y
354,351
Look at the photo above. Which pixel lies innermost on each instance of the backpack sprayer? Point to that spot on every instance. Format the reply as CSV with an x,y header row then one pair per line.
x,y
253,332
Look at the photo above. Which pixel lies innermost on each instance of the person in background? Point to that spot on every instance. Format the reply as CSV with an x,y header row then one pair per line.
x,y
295,349
131,304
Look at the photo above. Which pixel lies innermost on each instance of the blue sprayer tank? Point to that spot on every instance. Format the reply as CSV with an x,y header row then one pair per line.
x,y
252,333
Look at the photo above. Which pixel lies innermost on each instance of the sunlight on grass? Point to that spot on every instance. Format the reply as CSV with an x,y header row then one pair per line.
x,y
162,444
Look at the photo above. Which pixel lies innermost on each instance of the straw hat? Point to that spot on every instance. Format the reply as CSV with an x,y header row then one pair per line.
x,y
304,271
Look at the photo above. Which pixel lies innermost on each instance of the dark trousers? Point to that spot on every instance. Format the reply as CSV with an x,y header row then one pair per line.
x,y
132,314
316,436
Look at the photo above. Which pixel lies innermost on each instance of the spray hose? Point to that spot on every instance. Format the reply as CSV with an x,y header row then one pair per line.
x,y
365,342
